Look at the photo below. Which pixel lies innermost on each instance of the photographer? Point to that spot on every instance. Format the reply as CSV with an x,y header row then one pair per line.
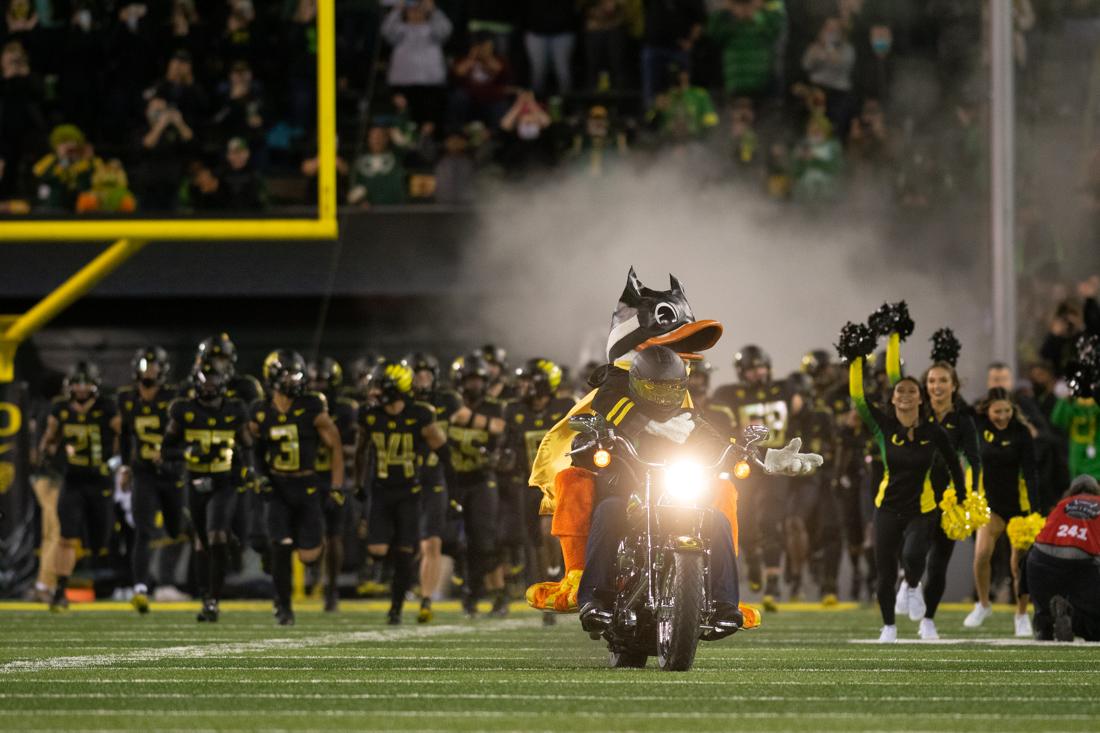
x,y
164,149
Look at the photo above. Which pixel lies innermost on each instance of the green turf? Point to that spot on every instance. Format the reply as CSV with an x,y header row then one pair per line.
x,y
116,671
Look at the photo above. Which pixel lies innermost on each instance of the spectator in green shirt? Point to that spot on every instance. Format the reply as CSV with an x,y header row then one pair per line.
x,y
747,32
1080,418
682,111
817,163
378,175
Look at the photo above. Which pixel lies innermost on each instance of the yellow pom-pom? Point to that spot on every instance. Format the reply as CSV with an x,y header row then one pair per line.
x,y
955,520
1022,531
978,509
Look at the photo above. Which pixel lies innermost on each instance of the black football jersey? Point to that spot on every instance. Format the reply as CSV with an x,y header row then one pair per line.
x,y
445,403
290,439
525,428
87,438
143,424
816,428
345,413
396,442
470,441
211,431
759,404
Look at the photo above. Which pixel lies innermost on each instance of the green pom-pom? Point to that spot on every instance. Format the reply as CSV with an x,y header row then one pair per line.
x,y
856,340
892,318
945,347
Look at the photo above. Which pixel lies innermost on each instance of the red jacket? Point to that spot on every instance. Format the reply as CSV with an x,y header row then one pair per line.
x,y
1075,522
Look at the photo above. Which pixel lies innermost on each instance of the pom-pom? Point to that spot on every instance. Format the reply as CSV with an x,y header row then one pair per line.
x,y
978,509
1022,531
892,318
1083,373
945,347
955,521
856,340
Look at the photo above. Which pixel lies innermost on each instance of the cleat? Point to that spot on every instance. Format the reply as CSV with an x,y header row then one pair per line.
x,y
331,603
285,616
209,612
59,604
901,602
927,630
978,616
549,619
594,618
829,600
888,635
1023,625
425,615
500,608
469,608
770,604
916,603
1063,618
140,602
393,617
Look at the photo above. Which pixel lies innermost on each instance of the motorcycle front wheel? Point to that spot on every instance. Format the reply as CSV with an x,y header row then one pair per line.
x,y
681,598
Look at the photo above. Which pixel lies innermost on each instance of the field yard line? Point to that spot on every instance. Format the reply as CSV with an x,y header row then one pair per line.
x,y
991,641
632,680
195,695
193,651
450,714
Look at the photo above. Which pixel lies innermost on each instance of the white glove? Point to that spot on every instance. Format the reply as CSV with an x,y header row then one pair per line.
x,y
677,429
789,462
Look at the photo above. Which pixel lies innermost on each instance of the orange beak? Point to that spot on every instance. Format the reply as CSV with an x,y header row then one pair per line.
x,y
688,340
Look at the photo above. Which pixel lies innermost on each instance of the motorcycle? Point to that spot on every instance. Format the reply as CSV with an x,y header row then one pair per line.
x,y
663,605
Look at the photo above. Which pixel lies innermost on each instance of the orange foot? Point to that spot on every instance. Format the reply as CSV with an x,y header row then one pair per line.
x,y
558,596
753,617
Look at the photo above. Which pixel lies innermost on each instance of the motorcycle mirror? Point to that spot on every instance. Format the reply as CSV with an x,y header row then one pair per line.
x,y
754,434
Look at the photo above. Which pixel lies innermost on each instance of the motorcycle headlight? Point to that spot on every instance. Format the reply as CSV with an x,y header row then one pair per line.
x,y
685,482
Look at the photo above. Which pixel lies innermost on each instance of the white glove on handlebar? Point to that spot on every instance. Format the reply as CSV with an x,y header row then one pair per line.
x,y
789,462
677,429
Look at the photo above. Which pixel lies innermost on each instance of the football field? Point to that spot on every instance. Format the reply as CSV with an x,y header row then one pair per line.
x,y
804,670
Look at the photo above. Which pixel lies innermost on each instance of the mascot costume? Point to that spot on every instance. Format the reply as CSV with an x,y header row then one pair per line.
x,y
642,318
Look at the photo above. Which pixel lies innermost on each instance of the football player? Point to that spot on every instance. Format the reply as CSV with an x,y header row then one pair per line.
x,y
474,433
435,501
327,378
757,400
811,521
156,484
87,425
208,432
496,359
395,436
527,420
248,522
291,424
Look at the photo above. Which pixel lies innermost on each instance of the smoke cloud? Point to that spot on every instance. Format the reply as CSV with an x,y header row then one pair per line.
x,y
554,255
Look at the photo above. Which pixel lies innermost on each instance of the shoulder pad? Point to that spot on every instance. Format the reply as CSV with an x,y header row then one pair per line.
x,y
318,398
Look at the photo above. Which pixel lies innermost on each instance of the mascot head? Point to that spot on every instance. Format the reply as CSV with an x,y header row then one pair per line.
x,y
645,318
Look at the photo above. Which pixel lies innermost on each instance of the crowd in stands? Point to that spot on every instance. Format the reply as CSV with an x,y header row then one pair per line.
x,y
199,105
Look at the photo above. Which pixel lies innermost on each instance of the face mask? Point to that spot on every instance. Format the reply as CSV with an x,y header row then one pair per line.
x,y
148,382
881,46
132,22
528,130
84,19
83,400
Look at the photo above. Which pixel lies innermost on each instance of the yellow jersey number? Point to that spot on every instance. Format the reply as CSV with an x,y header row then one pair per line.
x,y
147,429
217,442
395,450
470,455
83,445
289,457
